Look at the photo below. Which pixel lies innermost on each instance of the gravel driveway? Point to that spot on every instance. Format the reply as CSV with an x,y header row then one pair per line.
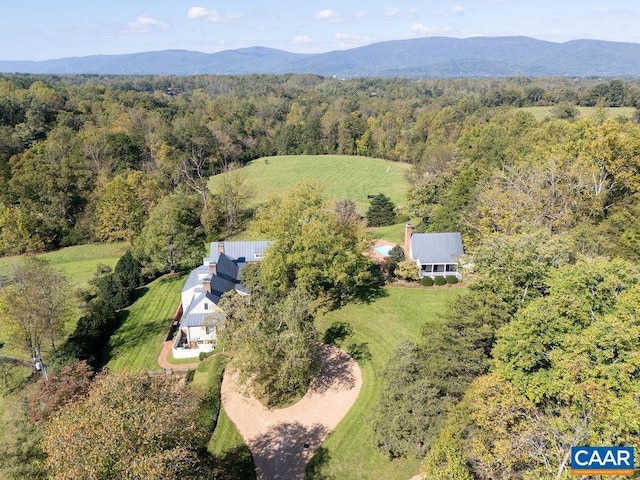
x,y
282,441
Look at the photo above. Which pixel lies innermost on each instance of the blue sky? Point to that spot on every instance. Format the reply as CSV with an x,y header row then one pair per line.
x,y
45,29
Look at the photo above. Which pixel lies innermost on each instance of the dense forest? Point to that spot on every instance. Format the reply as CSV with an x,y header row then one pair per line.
x,y
87,158
539,353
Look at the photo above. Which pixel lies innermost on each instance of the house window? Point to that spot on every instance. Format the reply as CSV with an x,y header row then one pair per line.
x,y
452,267
438,268
427,268
206,306
209,330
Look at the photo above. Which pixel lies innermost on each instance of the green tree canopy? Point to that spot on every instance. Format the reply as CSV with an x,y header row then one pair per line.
x,y
34,305
312,249
274,342
173,237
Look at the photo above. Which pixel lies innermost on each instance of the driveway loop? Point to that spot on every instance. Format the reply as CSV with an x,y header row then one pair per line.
x,y
283,440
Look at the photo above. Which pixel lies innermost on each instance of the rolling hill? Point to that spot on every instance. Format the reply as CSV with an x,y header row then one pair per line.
x,y
442,57
341,176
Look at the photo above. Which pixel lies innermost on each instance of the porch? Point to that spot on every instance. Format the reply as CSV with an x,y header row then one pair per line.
x,y
439,270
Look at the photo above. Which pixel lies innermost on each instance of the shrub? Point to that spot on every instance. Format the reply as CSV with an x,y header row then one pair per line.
x,y
204,355
452,279
426,281
440,281
407,270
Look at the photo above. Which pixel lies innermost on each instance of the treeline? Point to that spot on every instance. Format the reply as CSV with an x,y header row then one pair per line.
x,y
538,354
86,158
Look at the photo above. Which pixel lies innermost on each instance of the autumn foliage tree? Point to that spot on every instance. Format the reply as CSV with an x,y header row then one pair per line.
x,y
129,426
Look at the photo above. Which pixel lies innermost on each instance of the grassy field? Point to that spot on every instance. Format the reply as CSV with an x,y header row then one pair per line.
x,y
341,176
79,262
379,327
585,112
137,343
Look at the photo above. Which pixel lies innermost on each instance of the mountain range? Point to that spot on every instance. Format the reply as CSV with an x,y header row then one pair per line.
x,y
441,57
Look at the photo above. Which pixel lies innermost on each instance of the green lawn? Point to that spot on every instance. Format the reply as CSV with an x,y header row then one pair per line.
x,y
349,452
341,176
78,262
137,343
585,112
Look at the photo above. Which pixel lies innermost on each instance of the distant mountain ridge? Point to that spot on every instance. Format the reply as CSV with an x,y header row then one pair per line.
x,y
442,57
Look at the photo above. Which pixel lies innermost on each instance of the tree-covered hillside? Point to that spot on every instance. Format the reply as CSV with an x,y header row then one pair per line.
x,y
538,352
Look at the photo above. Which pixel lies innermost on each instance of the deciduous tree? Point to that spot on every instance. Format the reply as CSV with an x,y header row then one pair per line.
x,y
129,426
274,342
35,304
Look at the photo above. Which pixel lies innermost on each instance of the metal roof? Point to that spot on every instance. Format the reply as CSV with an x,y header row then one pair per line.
x,y
199,319
239,251
436,247
193,278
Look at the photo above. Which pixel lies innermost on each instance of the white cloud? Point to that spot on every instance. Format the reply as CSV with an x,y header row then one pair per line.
x,y
420,29
458,10
197,12
603,11
361,14
212,16
301,39
144,24
328,14
392,12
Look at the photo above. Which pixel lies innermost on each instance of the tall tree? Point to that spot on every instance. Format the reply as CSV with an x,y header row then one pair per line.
x,y
123,206
312,248
35,304
172,238
274,342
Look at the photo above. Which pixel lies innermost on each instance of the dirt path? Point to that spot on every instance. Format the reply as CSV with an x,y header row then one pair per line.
x,y
164,363
282,441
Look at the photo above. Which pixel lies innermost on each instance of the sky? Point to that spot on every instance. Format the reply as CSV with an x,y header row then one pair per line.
x,y
48,29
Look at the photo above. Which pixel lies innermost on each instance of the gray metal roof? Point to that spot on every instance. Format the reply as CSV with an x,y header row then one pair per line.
x,y
198,319
436,247
192,279
240,251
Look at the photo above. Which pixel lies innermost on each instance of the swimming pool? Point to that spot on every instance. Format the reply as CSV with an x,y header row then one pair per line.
x,y
384,249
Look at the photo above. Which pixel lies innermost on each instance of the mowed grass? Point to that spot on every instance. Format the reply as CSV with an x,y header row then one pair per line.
x,y
138,342
342,176
540,113
349,452
78,262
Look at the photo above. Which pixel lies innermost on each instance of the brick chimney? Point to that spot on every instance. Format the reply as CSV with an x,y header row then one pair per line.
x,y
213,268
206,284
408,230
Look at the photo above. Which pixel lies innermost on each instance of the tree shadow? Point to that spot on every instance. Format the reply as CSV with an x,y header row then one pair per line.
x,y
283,452
359,352
335,373
137,294
337,332
316,467
234,464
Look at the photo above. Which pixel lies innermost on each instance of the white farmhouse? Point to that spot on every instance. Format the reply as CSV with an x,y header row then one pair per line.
x,y
219,273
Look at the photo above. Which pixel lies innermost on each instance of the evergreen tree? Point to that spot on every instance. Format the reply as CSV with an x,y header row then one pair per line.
x,y
382,211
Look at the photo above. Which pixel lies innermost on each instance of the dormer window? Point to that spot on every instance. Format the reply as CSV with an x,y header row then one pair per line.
x,y
206,306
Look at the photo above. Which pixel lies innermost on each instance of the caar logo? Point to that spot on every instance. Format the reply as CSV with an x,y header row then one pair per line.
x,y
602,461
